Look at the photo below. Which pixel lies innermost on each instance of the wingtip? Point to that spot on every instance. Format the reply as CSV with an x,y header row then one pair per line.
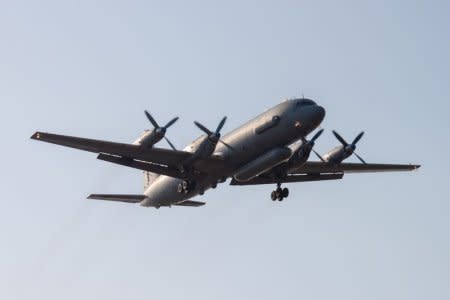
x,y
36,135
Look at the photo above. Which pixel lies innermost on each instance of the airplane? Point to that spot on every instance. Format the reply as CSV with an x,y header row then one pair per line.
x,y
272,149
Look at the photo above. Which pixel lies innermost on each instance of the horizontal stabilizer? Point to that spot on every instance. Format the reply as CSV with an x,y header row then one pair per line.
x,y
190,203
118,197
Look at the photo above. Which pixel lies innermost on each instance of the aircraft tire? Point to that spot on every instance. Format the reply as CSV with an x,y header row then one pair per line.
x,y
180,188
274,196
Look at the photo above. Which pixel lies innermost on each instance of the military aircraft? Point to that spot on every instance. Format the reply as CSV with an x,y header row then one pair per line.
x,y
270,149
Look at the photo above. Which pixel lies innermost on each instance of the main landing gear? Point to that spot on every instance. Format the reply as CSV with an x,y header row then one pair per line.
x,y
279,194
186,186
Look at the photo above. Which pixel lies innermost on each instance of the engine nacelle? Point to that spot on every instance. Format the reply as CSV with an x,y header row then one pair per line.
x,y
300,155
262,164
148,138
336,155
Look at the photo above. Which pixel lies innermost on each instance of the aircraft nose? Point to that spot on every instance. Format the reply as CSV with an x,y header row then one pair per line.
x,y
319,114
310,117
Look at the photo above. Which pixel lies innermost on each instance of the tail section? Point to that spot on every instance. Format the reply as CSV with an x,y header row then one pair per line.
x,y
118,197
130,198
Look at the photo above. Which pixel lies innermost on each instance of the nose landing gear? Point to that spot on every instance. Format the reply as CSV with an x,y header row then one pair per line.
x,y
279,194
186,186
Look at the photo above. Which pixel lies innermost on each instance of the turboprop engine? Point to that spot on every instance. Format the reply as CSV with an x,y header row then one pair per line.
x,y
151,137
263,163
340,153
302,152
209,142
204,146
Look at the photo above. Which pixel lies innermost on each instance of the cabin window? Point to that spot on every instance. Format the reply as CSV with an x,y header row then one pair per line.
x,y
268,125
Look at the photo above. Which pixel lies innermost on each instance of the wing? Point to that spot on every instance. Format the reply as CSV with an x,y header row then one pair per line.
x,y
314,167
170,158
142,165
317,171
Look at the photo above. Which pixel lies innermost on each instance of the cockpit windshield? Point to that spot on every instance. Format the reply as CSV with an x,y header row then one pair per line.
x,y
305,102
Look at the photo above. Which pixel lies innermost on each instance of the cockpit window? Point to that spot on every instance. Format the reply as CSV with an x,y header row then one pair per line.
x,y
305,102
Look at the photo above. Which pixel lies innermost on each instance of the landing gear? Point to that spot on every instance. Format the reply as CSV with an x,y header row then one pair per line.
x,y
274,196
279,194
186,186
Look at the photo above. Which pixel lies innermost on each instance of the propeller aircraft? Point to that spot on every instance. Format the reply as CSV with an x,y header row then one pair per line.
x,y
272,148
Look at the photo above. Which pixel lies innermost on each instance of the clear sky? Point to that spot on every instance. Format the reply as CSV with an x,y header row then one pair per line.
x,y
90,68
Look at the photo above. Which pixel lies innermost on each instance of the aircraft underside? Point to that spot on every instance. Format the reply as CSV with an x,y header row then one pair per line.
x,y
270,149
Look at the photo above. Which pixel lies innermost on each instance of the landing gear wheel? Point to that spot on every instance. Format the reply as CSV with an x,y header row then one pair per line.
x,y
279,193
186,186
180,188
274,196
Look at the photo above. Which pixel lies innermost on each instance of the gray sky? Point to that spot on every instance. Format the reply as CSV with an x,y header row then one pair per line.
x,y
90,68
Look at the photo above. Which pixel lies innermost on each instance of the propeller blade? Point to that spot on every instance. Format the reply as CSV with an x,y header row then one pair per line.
x,y
203,128
340,138
318,155
316,136
170,144
219,127
358,137
359,157
150,118
171,122
226,145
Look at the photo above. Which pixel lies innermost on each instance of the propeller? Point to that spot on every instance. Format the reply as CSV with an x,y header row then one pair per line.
x,y
316,136
350,148
214,137
161,131
312,142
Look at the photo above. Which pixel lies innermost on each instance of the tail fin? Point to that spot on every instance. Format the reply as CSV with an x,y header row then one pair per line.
x,y
149,178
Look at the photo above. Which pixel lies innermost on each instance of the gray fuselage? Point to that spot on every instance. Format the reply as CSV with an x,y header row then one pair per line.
x,y
279,126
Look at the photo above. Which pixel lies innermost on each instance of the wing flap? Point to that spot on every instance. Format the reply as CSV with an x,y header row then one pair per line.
x,y
141,165
289,179
118,197
314,167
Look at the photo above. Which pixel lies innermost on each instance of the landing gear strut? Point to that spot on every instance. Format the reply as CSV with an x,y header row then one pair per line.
x,y
186,186
279,194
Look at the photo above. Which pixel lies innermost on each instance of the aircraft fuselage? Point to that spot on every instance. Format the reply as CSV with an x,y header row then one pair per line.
x,y
279,126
